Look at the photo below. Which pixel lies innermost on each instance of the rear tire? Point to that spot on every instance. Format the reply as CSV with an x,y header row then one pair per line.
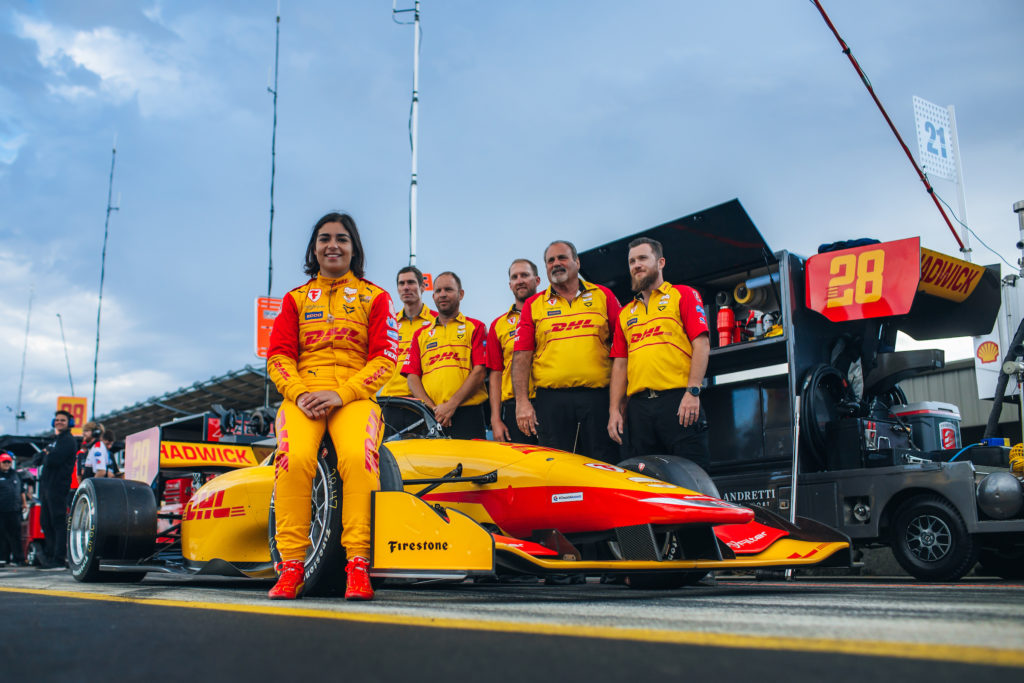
x,y
325,558
111,519
681,472
930,540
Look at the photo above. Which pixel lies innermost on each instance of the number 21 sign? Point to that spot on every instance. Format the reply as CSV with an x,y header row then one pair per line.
x,y
934,139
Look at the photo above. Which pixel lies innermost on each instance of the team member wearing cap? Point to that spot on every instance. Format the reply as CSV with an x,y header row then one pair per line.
x,y
563,342
12,505
334,343
523,280
413,315
447,364
660,354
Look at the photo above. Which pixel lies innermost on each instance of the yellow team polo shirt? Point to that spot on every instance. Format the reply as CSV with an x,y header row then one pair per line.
x,y
655,338
397,385
444,355
569,339
501,339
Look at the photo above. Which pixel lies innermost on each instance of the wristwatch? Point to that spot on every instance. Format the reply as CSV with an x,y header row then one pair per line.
x,y
693,390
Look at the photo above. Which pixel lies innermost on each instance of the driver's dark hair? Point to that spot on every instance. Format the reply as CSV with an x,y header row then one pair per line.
x,y
312,267
65,413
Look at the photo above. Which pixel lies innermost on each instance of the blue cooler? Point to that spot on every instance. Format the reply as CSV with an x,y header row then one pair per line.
x,y
935,426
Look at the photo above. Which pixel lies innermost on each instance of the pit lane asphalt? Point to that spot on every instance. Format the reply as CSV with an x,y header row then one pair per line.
x,y
170,628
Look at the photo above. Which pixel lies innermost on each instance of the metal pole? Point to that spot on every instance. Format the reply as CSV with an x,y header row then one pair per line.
x,y
103,270
414,131
1018,208
66,359
18,414
273,152
273,171
413,118
954,145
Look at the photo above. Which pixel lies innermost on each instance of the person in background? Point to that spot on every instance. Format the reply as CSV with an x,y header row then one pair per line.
x,y
523,280
12,505
413,315
97,457
447,363
58,461
113,469
660,354
564,337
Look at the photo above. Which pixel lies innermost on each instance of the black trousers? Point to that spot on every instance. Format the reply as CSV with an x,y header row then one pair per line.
x,y
575,420
467,423
53,517
654,429
10,536
508,416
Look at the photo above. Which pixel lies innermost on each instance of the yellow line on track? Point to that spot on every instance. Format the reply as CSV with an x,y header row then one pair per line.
x,y
873,648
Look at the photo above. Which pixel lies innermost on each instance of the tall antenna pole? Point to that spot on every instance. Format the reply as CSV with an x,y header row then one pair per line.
x,y
273,153
19,415
66,359
413,117
103,270
273,172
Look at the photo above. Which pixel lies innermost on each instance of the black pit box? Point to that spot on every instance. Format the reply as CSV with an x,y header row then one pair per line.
x,y
854,442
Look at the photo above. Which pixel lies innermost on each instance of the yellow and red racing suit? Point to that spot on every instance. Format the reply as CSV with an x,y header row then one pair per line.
x,y
339,335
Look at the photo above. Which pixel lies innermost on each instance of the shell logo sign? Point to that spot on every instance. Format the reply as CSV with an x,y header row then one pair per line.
x,y
988,352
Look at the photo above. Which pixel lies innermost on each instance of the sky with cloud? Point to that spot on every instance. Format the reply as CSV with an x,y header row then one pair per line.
x,y
578,120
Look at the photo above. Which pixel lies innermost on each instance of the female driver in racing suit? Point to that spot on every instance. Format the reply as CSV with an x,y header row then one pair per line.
x,y
334,343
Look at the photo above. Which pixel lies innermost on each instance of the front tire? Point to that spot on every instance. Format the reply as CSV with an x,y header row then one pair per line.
x,y
930,540
111,519
681,472
325,557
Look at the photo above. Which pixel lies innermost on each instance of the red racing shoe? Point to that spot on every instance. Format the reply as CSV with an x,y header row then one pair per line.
x,y
358,585
291,579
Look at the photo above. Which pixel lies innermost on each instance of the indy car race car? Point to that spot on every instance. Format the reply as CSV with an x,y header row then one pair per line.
x,y
447,509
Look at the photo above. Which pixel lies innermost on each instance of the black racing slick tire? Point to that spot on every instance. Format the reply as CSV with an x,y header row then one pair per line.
x,y
674,470
930,540
113,520
325,558
1006,563
681,472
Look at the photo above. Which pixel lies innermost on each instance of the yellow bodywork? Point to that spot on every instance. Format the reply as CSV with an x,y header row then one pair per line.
x,y
227,518
409,534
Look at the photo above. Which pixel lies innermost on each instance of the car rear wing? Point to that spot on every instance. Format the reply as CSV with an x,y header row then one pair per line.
x,y
931,295
146,454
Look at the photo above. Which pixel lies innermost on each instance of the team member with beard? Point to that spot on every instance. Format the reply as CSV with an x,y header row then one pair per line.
x,y
523,280
660,354
447,363
563,341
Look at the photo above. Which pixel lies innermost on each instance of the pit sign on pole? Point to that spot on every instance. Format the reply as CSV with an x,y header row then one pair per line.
x,y
267,309
934,139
